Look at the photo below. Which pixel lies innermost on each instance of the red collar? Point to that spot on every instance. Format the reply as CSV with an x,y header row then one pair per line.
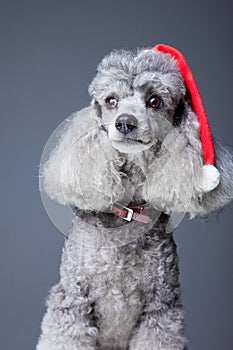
x,y
132,213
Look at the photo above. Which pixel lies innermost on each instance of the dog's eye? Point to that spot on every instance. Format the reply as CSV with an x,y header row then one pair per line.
x,y
111,102
154,102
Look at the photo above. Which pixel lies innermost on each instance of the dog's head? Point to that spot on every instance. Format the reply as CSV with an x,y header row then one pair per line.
x,y
138,96
140,131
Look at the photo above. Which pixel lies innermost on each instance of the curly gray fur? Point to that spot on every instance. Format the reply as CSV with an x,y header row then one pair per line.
x,y
119,289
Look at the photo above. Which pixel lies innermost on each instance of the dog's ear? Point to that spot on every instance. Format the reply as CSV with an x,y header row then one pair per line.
x,y
79,166
211,191
179,180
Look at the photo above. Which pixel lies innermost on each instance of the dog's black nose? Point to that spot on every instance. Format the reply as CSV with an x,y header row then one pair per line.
x,y
125,123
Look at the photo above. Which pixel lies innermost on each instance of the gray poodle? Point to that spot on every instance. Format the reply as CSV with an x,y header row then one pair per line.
x,y
131,166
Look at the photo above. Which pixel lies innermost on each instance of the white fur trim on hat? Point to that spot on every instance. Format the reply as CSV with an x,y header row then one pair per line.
x,y
210,178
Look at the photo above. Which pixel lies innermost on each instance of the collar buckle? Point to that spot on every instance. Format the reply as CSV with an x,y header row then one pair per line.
x,y
123,212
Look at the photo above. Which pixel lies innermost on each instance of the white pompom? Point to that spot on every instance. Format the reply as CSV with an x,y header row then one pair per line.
x,y
210,178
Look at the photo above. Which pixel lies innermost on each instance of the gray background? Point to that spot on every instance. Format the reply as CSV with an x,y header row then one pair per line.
x,y
49,53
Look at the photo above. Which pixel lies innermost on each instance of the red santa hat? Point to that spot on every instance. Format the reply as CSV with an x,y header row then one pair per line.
x,y
210,176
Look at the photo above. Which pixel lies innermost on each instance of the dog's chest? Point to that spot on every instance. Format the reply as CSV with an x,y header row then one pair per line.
x,y
118,280
119,293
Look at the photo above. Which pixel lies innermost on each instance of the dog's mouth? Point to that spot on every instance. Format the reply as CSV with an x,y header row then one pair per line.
x,y
130,145
135,141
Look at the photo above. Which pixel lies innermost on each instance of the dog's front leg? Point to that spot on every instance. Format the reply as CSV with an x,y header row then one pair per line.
x,y
67,325
160,331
